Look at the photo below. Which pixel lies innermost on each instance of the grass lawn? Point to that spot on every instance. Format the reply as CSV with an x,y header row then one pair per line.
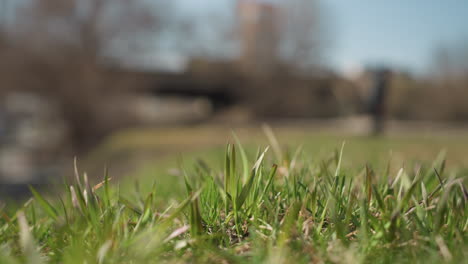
x,y
400,199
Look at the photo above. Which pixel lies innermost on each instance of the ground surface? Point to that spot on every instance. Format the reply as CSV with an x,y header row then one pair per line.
x,y
316,195
140,152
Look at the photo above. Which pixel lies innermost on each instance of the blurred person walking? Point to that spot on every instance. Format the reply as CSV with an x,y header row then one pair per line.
x,y
378,99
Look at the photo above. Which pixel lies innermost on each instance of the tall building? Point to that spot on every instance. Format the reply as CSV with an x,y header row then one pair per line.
x,y
259,34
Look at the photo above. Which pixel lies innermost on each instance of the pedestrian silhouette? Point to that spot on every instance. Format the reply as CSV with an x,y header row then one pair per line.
x,y
378,98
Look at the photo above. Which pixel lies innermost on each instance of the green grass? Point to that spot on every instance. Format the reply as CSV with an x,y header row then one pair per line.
x,y
265,206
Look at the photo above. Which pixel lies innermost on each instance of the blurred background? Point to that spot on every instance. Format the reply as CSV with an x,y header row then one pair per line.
x,y
84,77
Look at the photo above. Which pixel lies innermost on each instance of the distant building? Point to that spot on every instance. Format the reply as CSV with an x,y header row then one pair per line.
x,y
259,33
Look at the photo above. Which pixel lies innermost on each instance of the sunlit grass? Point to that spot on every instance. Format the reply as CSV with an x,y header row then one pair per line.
x,y
271,206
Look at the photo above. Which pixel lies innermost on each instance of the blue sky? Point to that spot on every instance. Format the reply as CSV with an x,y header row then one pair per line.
x,y
402,33
397,32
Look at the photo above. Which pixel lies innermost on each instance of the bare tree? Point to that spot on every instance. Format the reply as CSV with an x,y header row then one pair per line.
x,y
96,29
4,9
63,48
451,61
304,34
450,78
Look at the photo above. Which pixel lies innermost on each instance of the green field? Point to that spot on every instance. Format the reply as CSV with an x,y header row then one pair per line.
x,y
298,196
